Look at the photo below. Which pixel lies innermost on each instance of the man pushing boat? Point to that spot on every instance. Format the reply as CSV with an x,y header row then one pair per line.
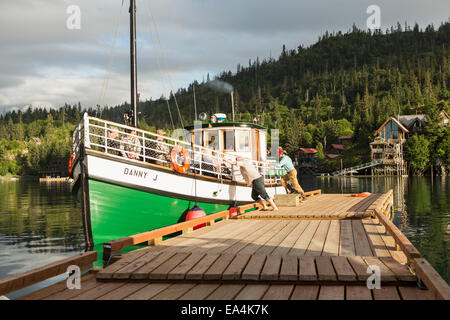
x,y
291,175
255,180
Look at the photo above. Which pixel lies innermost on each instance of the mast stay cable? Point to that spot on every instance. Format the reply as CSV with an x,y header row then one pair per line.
x,y
164,61
110,60
159,68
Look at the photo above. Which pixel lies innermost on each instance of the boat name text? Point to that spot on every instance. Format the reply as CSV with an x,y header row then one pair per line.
x,y
135,173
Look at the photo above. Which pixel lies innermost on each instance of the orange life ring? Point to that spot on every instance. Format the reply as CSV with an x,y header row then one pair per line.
x,y
176,153
70,165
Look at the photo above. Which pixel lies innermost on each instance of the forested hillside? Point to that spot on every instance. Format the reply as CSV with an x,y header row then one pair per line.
x,y
345,84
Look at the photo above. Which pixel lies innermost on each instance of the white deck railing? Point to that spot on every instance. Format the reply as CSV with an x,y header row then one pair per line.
x,y
144,146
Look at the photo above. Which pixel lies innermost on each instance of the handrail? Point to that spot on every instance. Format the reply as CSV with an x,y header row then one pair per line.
x,y
19,281
114,247
376,209
155,148
431,278
358,167
423,269
402,241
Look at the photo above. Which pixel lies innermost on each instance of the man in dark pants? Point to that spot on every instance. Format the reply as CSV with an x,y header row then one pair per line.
x,y
254,179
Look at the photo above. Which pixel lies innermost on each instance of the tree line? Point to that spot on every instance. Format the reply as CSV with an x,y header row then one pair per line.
x,y
347,83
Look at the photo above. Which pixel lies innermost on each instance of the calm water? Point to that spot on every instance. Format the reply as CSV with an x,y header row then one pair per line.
x,y
41,223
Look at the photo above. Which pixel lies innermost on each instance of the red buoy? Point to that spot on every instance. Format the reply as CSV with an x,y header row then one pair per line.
x,y
195,213
233,212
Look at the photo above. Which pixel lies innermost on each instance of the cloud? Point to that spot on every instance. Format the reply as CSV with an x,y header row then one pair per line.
x,y
42,60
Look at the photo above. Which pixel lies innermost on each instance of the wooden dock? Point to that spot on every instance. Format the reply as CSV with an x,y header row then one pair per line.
x,y
320,250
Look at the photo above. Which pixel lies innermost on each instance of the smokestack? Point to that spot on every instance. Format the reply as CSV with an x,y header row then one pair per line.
x,y
232,105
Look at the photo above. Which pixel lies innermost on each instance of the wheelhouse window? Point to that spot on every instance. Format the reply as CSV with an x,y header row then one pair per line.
x,y
262,145
212,139
243,140
198,138
228,140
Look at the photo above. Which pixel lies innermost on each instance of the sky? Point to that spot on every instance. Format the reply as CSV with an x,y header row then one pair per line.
x,y
61,51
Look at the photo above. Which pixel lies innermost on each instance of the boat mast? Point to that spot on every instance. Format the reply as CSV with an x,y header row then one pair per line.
x,y
134,97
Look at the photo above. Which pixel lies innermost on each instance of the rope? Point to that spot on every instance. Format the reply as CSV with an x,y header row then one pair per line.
x,y
170,114
111,57
164,61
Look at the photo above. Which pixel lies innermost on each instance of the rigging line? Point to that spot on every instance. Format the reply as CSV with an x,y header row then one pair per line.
x,y
170,114
159,68
111,57
164,60
178,109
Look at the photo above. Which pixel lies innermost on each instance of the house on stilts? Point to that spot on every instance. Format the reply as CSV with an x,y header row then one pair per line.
x,y
388,144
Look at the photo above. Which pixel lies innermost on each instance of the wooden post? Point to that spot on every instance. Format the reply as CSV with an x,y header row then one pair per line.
x,y
155,241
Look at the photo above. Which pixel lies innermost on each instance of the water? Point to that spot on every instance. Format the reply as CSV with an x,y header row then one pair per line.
x,y
41,223
422,209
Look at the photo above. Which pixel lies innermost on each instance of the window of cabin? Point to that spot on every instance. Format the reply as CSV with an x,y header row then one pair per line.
x,y
390,130
212,139
243,140
387,130
394,130
198,138
228,140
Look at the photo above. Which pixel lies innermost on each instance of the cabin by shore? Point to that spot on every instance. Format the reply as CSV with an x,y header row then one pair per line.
x,y
390,138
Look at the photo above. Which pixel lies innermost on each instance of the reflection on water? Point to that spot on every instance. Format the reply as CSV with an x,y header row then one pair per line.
x,y
422,209
41,223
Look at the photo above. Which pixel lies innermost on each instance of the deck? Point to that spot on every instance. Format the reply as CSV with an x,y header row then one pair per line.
x,y
322,206
320,250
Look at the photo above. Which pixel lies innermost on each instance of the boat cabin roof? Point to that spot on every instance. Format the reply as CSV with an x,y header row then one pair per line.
x,y
227,125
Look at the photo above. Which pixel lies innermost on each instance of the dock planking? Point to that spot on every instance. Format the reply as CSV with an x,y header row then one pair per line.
x,y
258,260
323,206
318,250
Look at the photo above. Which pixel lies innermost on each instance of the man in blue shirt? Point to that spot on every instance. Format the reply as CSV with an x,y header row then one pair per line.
x,y
291,175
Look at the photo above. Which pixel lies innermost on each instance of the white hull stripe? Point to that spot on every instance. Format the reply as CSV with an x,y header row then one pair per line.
x,y
171,184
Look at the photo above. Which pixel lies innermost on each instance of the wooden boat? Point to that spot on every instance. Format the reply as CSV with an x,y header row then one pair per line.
x,y
129,184
131,180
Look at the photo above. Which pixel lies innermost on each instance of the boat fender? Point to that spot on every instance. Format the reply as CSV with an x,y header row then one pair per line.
x,y
175,155
233,212
195,213
70,165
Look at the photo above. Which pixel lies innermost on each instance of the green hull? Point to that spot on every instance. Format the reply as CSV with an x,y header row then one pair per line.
x,y
117,212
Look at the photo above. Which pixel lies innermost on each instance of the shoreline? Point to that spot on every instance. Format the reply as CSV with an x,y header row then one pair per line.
x,y
27,178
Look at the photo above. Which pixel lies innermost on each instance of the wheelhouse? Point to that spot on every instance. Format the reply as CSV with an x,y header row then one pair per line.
x,y
233,138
